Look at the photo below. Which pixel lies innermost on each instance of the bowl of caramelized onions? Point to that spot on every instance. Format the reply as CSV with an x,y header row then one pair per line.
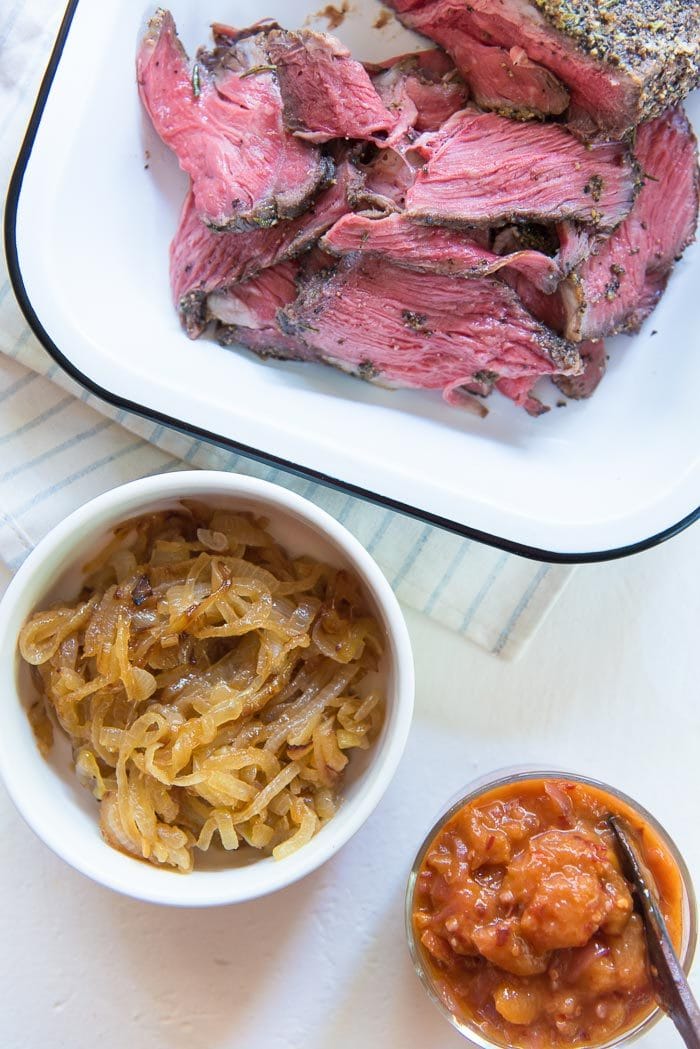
x,y
207,688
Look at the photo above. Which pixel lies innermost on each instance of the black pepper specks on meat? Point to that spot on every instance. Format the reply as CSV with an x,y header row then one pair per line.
x,y
368,371
594,186
487,377
416,322
634,36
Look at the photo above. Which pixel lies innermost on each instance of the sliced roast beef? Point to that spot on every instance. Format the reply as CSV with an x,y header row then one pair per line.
x,y
327,93
423,90
432,249
403,328
247,314
619,286
499,78
623,278
202,261
622,62
223,120
484,169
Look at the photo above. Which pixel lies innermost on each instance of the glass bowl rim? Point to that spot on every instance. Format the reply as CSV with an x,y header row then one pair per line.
x,y
491,781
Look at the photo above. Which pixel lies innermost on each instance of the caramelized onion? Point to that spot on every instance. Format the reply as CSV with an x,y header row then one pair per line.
x,y
211,684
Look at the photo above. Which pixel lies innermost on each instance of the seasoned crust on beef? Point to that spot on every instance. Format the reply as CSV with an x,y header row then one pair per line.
x,y
580,387
622,62
655,42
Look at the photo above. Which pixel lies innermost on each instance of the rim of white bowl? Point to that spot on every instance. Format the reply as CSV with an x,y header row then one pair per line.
x,y
232,885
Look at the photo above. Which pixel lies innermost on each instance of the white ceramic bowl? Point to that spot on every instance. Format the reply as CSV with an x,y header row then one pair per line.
x,y
47,793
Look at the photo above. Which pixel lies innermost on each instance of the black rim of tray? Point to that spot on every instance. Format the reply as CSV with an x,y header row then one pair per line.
x,y
14,190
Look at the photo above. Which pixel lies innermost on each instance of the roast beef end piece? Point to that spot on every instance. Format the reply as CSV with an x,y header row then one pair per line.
x,y
595,359
484,169
223,120
402,328
327,93
620,69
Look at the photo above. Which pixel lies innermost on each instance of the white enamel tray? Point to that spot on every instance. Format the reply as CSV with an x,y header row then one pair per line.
x,y
88,224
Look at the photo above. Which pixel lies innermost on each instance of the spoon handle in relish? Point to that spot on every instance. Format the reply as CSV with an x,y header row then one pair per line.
x,y
672,989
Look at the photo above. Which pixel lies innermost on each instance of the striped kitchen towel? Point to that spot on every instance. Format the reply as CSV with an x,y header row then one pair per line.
x,y
59,445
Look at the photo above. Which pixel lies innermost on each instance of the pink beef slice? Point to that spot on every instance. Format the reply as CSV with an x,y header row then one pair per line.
x,y
223,120
202,262
619,286
500,79
433,249
622,63
624,276
327,93
423,90
484,169
401,328
246,314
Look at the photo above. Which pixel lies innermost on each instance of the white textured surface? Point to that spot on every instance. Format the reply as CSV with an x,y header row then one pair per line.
x,y
608,686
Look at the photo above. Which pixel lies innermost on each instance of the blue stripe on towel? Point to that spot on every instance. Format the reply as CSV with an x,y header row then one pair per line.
x,y
522,604
78,475
412,555
16,386
77,438
447,575
476,603
42,417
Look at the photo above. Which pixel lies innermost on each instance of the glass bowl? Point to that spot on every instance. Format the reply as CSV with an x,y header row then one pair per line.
x,y
484,785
